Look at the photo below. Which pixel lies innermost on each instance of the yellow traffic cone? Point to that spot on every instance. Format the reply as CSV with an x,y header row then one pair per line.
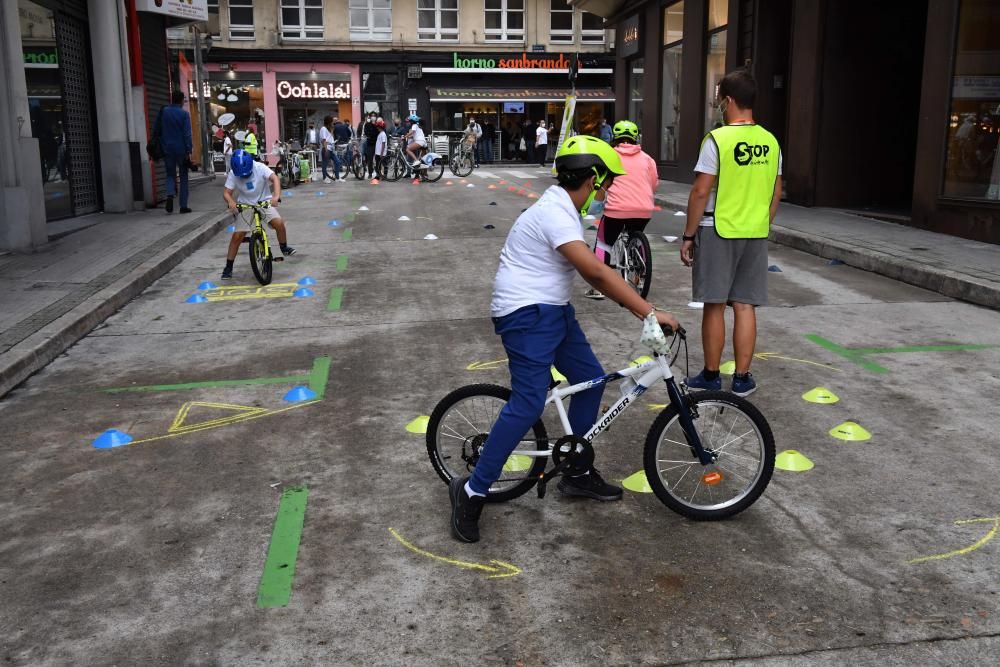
x,y
850,431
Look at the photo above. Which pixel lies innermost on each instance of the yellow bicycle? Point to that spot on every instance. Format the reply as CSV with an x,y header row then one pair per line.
x,y
261,258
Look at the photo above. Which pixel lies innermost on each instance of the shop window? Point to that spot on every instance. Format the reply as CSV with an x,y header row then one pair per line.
x,y
670,84
591,28
560,21
371,20
972,168
715,69
241,19
437,20
504,21
302,19
718,14
635,91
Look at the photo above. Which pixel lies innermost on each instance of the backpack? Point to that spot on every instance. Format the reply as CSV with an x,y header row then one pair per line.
x,y
154,147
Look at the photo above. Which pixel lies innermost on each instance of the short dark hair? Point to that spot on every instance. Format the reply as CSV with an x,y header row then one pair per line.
x,y
739,85
573,179
177,97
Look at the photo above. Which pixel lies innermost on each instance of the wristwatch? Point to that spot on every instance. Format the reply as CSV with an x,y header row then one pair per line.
x,y
685,237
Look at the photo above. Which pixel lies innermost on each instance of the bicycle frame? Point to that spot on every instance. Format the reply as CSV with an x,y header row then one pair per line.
x,y
645,375
258,223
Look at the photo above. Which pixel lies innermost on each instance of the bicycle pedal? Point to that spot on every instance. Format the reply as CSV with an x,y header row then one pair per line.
x,y
279,258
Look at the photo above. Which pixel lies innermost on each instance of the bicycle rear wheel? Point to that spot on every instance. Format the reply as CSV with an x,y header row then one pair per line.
x,y
729,426
463,163
433,172
260,258
457,431
637,267
395,169
358,166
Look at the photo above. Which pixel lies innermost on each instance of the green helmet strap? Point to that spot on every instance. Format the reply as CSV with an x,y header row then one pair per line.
x,y
590,200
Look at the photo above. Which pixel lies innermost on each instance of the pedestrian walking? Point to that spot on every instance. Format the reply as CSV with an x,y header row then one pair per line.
x,y
489,132
174,129
250,142
370,133
326,146
529,136
381,146
227,150
342,135
604,131
732,203
473,135
541,143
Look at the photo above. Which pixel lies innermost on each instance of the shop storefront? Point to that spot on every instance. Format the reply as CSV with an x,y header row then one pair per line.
x,y
55,46
281,99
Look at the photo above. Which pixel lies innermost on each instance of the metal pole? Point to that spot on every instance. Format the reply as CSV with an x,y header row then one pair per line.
x,y
206,139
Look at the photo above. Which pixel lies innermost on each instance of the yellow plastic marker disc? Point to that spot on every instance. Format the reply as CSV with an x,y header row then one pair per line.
x,y
418,425
728,368
792,461
637,483
820,395
558,377
517,463
850,431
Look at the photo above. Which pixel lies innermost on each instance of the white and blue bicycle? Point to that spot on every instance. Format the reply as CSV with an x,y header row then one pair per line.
x,y
708,455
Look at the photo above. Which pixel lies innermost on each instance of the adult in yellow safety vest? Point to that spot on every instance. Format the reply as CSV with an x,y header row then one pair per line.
x,y
250,141
734,198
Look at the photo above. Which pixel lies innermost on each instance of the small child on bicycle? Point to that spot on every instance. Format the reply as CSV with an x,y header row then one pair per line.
x,y
532,314
253,182
630,204
416,143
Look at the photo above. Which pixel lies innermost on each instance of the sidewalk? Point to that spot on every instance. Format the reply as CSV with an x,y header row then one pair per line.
x,y
949,265
55,296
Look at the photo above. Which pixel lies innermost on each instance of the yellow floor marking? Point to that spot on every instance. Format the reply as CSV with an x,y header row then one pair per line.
x,y
972,547
234,292
764,356
199,427
243,412
497,570
486,365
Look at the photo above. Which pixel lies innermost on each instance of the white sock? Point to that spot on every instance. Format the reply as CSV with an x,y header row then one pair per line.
x,y
469,492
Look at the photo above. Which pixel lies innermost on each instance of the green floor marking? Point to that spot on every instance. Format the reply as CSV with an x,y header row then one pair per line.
x,y
342,263
336,296
857,355
320,365
348,233
275,589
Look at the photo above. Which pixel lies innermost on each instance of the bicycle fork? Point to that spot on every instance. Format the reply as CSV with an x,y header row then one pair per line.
x,y
687,424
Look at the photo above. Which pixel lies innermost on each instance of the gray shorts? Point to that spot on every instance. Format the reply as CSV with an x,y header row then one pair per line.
x,y
729,269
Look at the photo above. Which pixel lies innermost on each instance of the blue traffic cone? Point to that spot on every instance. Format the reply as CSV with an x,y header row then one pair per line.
x,y
195,298
208,285
300,394
334,223
302,292
307,281
112,438
774,268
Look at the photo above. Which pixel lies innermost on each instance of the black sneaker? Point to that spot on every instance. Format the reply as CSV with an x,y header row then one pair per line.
x,y
589,486
169,206
227,273
465,511
287,250
185,209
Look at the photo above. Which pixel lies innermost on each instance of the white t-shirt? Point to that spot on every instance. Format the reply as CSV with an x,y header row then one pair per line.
x,y
418,136
227,145
542,134
708,163
532,270
326,135
380,144
254,188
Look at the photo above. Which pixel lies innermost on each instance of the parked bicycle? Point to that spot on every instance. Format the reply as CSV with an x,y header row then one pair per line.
x,y
708,455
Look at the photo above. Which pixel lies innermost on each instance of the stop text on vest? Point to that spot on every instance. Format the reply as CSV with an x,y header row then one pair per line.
x,y
744,152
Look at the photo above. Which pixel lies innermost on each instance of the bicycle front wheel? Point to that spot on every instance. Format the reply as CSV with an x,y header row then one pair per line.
x,y
637,269
260,258
463,164
358,166
458,428
736,432
433,172
395,169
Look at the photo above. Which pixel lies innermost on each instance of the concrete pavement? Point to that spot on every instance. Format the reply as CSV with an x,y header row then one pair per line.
x,y
157,552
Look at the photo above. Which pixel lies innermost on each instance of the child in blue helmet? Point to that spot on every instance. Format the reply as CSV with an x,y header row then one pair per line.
x,y
253,182
416,142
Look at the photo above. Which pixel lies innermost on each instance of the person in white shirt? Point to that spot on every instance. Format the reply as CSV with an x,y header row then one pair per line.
x,y
416,142
541,142
381,146
544,252
326,146
253,183
227,151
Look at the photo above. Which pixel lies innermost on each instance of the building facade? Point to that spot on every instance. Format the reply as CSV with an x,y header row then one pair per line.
x,y
284,64
886,108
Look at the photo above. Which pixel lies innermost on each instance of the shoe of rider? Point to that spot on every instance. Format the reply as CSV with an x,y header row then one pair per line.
x,y
593,294
532,315
589,485
465,511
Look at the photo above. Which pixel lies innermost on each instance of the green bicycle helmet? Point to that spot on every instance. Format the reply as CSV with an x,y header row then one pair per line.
x,y
625,129
584,151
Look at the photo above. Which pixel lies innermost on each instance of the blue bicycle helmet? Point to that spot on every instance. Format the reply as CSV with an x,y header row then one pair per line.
x,y
242,163
414,118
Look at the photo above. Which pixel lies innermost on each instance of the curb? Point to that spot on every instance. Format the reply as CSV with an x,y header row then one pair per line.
x,y
40,348
949,283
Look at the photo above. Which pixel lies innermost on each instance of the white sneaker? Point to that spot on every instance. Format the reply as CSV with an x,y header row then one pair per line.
x,y
593,294
328,180
341,179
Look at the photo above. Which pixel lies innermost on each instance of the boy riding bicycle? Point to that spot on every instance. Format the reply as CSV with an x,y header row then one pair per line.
x,y
630,205
253,182
531,312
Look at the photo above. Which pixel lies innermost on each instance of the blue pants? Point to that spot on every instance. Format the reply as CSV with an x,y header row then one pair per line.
x,y
172,162
325,160
536,338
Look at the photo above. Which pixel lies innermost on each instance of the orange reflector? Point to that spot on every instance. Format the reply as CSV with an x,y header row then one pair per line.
x,y
711,478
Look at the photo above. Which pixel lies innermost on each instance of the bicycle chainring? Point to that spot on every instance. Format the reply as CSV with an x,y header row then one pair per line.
x,y
577,453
